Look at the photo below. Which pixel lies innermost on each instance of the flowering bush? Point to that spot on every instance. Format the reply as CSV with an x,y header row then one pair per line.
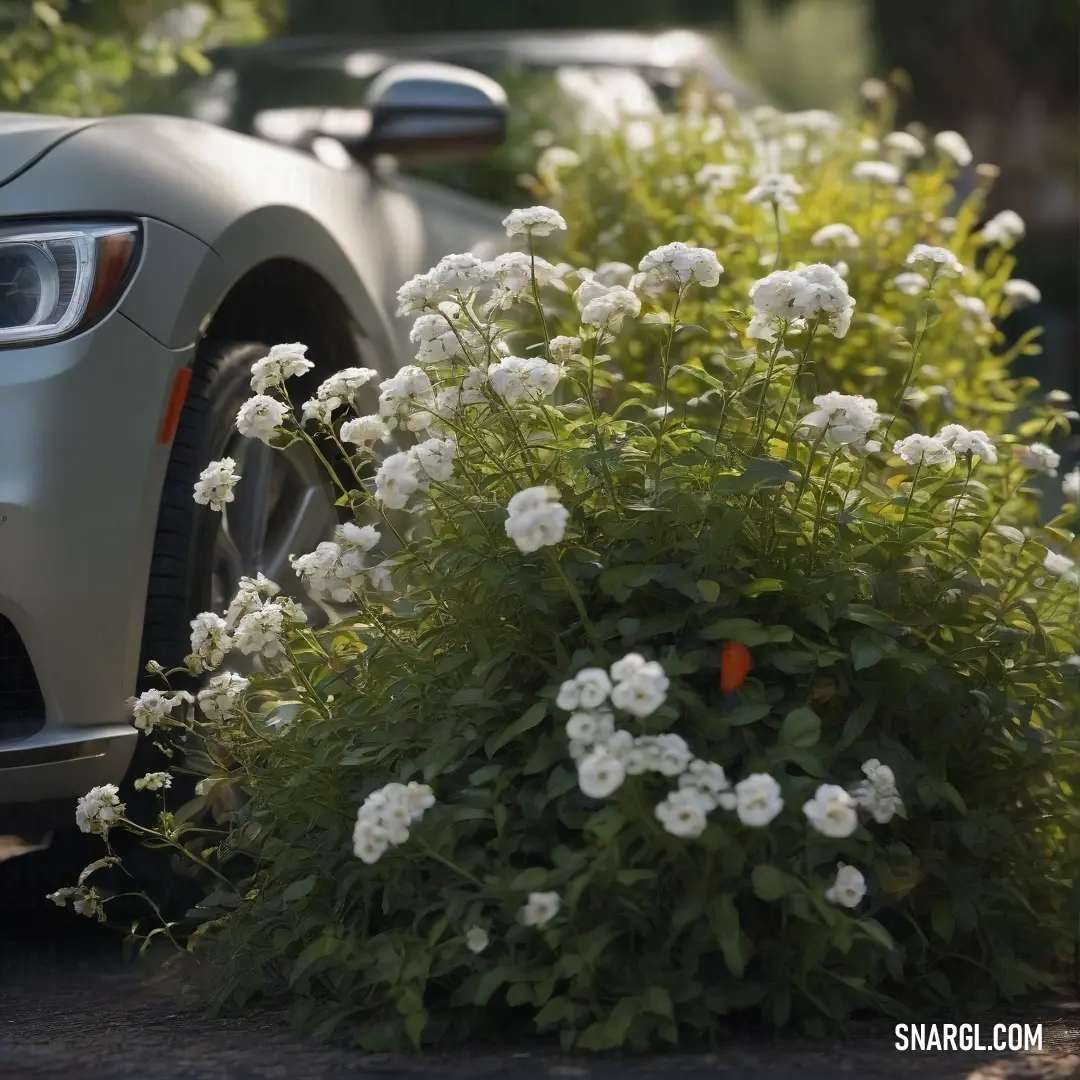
x,y
774,190
659,712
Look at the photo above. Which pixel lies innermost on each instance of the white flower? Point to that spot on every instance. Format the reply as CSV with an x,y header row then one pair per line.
x,y
588,689
250,593
419,293
708,779
605,305
533,221
849,887
1040,458
683,813
385,816
1061,566
629,665
340,389
209,641
911,283
832,811
219,699
380,575
260,631
808,293
642,692
952,144
600,774
1070,484
847,419
514,270
676,265
881,172
536,519
924,450
459,274
718,177
397,479
874,90
151,707
260,417
1021,292
370,840
962,441
837,234
441,336
972,306
98,809
878,793
757,800
611,273
154,781
214,488
553,161
540,909
515,377
904,143
1005,229
283,362
364,431
409,389
777,189
563,347
587,726
942,260
435,458
476,939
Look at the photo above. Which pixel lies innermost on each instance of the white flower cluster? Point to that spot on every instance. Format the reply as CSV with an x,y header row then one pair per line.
x,y
717,176
151,707
384,819
340,389
844,420
406,397
540,908
952,144
963,441
402,474
1020,292
786,296
1005,228
941,260
535,518
220,698
516,378
605,305
1061,566
924,450
878,794
214,488
904,144
337,568
261,417
676,265
533,221
154,781
1038,457
283,362
837,234
98,809
776,189
880,172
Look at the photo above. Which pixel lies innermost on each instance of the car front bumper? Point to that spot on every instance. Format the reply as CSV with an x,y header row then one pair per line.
x,y
81,469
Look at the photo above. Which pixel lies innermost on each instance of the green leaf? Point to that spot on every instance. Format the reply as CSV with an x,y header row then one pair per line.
x,y
531,880
762,585
877,933
801,728
747,714
856,722
942,920
769,882
747,631
298,889
724,922
710,591
528,720
658,1001
867,648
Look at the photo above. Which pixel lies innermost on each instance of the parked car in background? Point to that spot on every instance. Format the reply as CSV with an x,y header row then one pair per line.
x,y
145,263
556,81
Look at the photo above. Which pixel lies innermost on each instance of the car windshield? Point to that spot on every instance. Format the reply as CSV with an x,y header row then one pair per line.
x,y
275,99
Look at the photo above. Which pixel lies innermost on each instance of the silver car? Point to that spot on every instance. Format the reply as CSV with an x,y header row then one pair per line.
x,y
145,263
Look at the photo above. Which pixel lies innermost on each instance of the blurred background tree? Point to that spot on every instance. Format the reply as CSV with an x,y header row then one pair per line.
x,y
89,57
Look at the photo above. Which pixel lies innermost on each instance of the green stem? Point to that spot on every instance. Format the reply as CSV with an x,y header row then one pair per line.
x,y
579,603
665,362
794,382
820,512
911,495
907,378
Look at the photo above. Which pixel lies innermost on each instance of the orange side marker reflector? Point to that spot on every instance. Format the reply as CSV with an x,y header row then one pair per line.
x,y
176,405
735,664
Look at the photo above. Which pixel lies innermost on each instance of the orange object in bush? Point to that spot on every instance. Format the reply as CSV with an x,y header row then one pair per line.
x,y
735,665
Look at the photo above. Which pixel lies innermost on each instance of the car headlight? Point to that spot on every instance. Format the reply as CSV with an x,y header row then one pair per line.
x,y
57,278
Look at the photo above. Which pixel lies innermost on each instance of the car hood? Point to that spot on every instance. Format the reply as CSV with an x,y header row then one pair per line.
x,y
26,137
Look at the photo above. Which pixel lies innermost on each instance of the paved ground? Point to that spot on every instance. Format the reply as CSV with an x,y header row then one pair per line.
x,y
70,1008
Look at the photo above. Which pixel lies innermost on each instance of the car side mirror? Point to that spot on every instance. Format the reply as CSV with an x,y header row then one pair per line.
x,y
426,112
